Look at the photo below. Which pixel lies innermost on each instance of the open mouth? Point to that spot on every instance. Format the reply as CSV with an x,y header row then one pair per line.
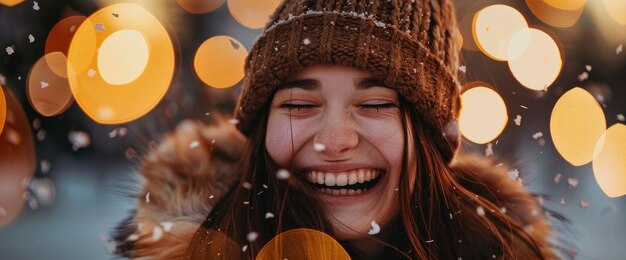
x,y
348,183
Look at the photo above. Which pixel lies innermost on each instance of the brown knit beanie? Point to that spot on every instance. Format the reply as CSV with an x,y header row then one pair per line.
x,y
410,44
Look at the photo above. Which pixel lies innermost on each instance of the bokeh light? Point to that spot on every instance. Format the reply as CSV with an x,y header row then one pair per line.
x,y
11,2
483,114
303,243
219,61
617,10
112,90
576,124
567,4
253,14
554,16
493,27
3,109
17,159
609,166
48,92
539,63
60,36
122,57
200,6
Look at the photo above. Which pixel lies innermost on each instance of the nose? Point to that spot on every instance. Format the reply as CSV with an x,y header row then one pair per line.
x,y
338,136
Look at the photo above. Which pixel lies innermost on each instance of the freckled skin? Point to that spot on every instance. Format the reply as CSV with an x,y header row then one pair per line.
x,y
350,134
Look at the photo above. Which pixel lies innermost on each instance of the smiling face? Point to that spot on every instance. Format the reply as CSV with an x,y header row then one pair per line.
x,y
340,129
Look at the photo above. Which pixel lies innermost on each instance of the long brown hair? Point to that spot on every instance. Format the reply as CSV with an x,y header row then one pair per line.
x,y
435,221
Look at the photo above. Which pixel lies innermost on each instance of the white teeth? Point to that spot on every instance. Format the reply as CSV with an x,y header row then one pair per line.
x,y
342,179
368,175
335,192
352,179
351,191
330,180
320,178
361,176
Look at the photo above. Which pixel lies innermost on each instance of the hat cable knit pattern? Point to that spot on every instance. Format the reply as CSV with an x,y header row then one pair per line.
x,y
409,44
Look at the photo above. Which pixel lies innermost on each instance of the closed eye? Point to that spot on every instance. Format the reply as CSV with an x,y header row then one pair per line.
x,y
378,107
297,107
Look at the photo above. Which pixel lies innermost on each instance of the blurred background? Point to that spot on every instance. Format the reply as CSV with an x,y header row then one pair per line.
x,y
544,94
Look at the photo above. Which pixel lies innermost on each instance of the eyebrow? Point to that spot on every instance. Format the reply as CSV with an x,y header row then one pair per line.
x,y
313,84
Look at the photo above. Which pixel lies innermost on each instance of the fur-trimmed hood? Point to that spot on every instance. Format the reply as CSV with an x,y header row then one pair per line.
x,y
196,164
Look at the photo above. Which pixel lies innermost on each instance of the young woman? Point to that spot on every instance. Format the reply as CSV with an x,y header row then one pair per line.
x,y
346,126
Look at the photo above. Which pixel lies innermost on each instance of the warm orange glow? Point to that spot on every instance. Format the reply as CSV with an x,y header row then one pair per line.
x,y
609,167
554,16
60,36
617,10
48,92
539,63
3,109
493,27
17,159
252,13
567,4
576,124
219,61
122,57
483,114
200,6
303,243
11,2
110,89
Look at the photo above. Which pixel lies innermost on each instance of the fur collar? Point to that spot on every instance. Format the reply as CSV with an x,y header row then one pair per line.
x,y
193,167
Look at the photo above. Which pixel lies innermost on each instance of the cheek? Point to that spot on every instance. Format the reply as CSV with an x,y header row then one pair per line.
x,y
278,139
388,139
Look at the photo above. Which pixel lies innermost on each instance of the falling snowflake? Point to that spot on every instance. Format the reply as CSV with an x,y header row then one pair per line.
x,y
45,166
518,120
503,210
244,248
252,236
44,84
211,196
79,139
619,48
584,203
35,6
132,237
91,73
557,178
3,80
269,215
463,68
489,150
537,135
247,185
157,233
99,27
588,67
524,107
583,76
194,144
31,38
282,174
573,182
167,226
148,197
375,228
480,211
116,15
620,117
319,147
10,50
233,121
562,201
306,41
513,174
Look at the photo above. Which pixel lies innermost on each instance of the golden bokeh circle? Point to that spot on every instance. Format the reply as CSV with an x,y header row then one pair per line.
x,y
567,4
617,10
10,3
253,14
17,159
539,62
303,243
576,124
119,103
48,92
219,61
493,27
483,114
200,6
554,16
59,39
122,57
609,166
3,109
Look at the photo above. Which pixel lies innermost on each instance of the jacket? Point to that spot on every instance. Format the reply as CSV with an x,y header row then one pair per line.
x,y
196,164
